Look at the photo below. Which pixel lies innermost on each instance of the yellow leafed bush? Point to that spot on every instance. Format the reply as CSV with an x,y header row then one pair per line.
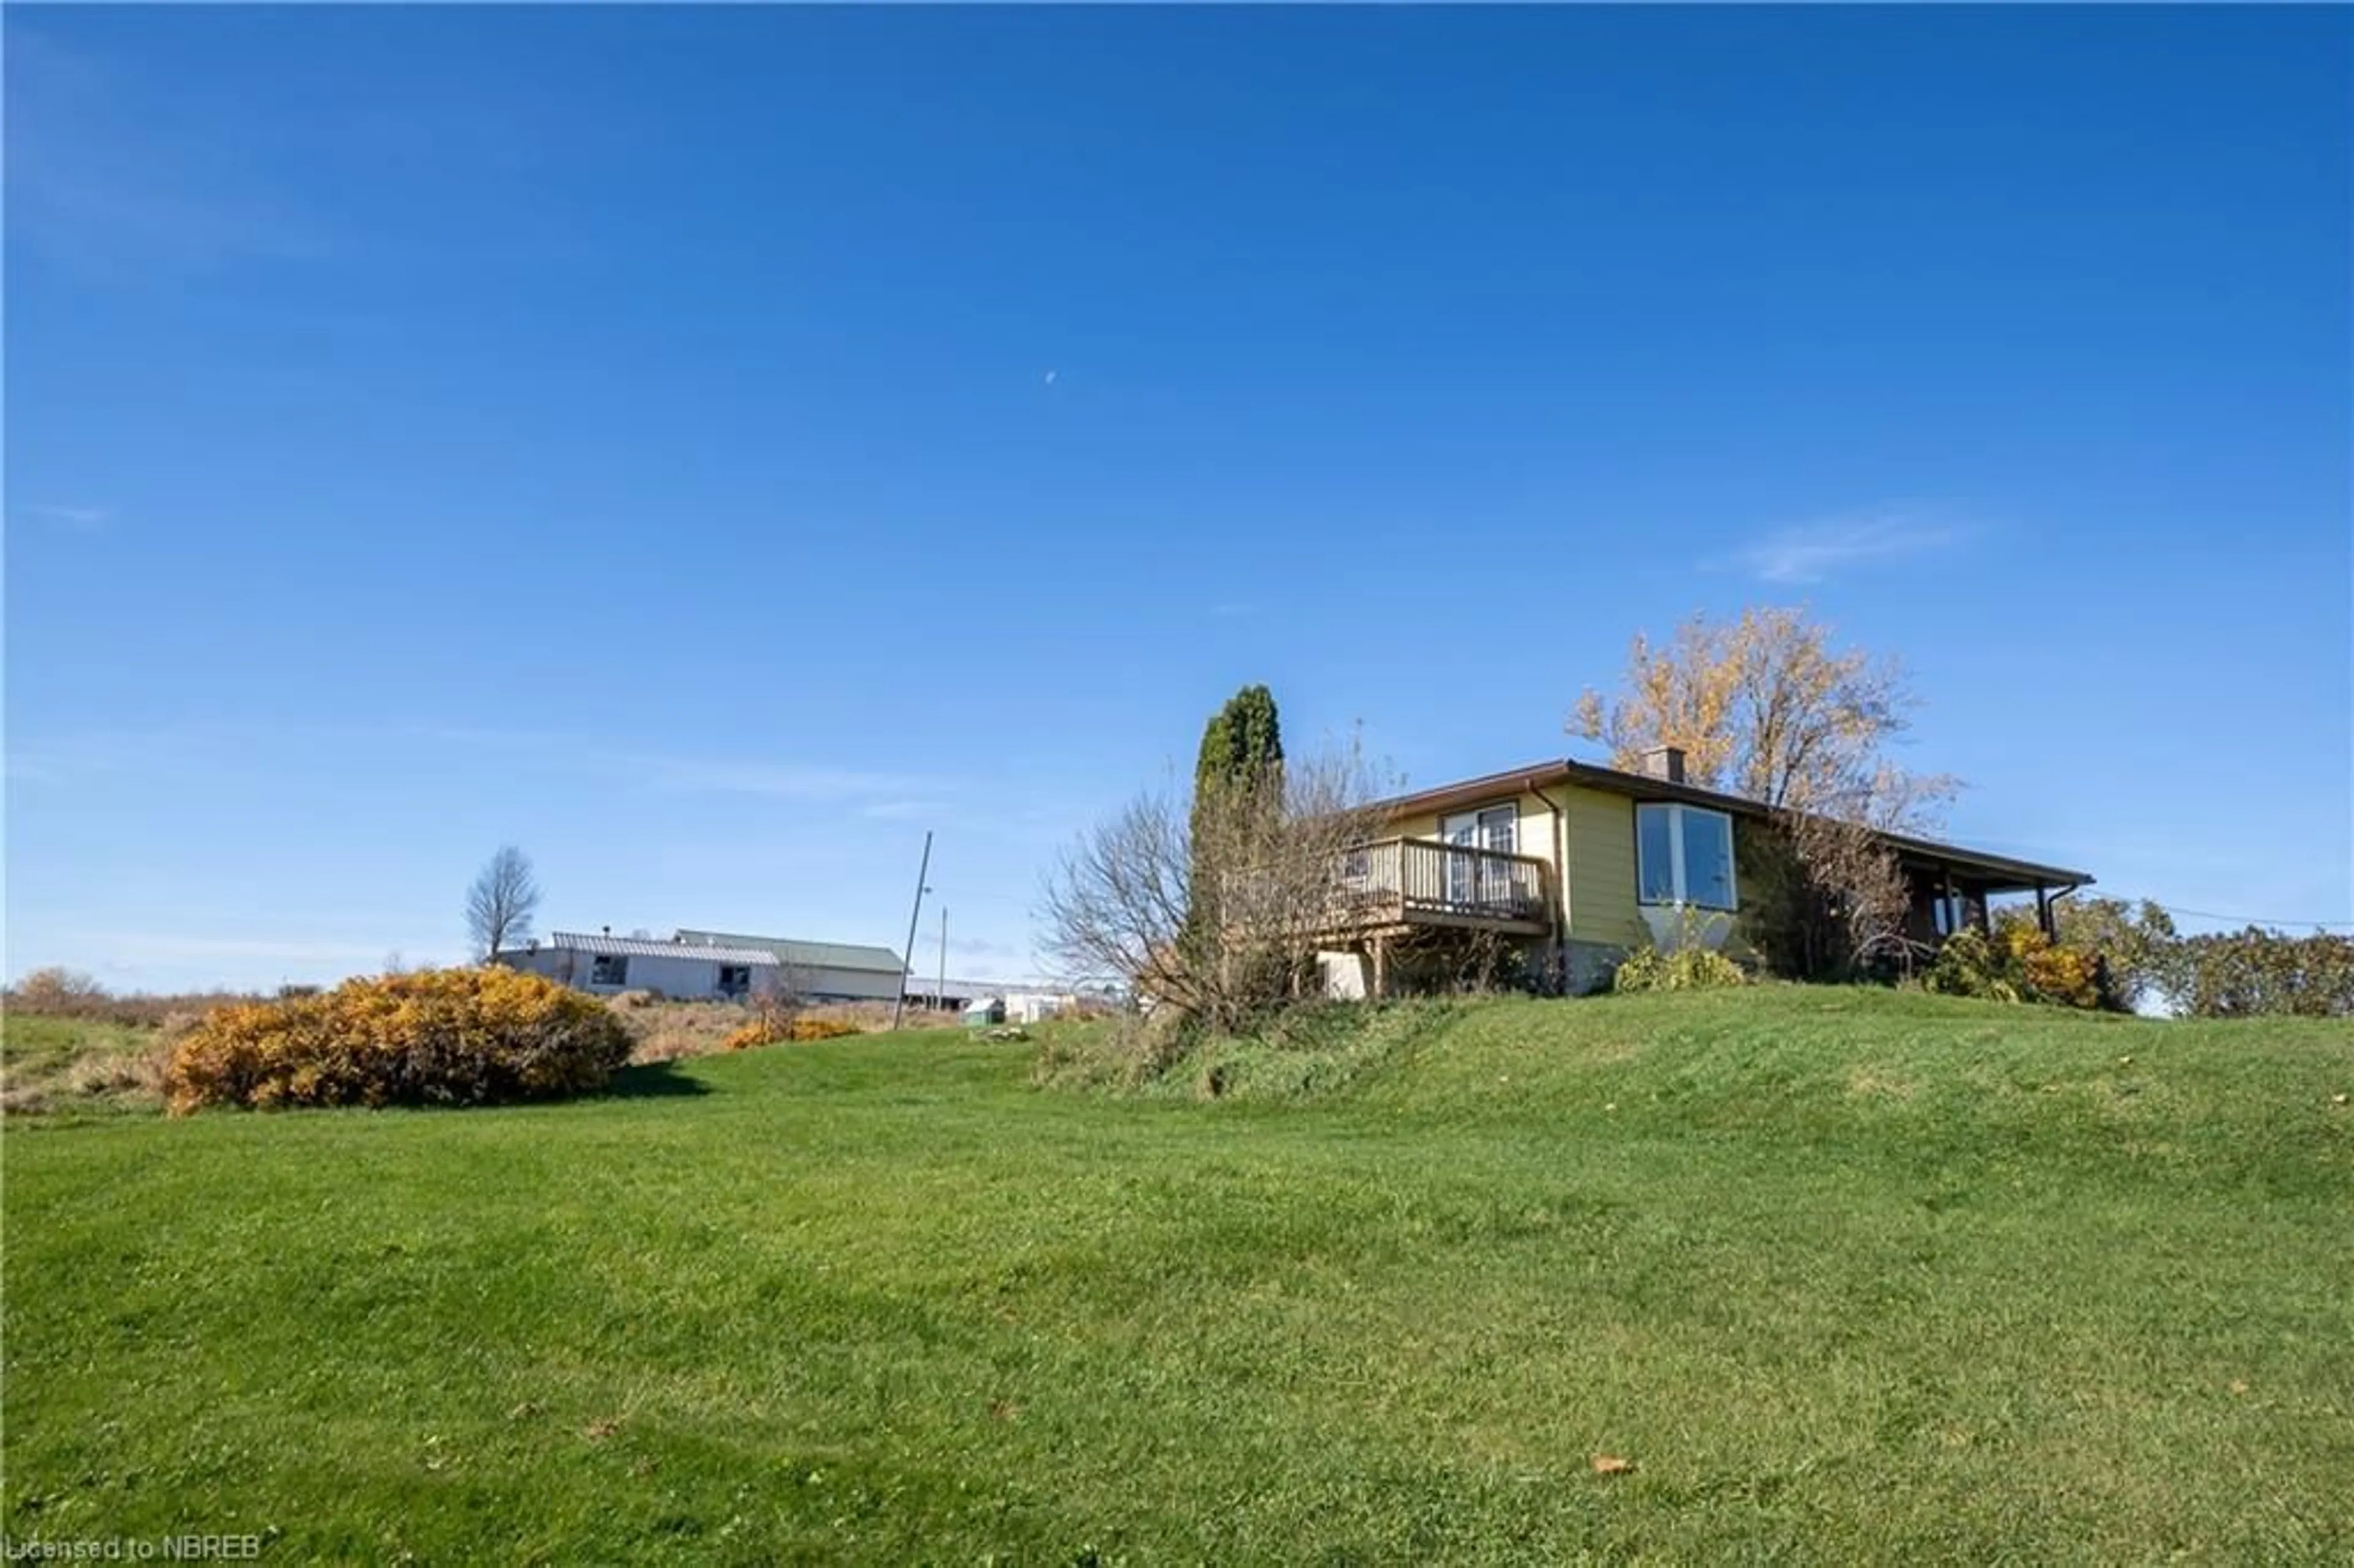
x,y
798,1031
1690,967
457,1037
748,1036
2017,963
2068,976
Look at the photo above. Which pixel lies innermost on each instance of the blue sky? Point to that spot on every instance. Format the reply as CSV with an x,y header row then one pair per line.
x,y
708,449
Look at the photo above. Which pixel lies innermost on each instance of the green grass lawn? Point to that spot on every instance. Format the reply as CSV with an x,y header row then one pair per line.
x,y
1850,1276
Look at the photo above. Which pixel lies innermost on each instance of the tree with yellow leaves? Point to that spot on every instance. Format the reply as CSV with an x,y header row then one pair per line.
x,y
1769,707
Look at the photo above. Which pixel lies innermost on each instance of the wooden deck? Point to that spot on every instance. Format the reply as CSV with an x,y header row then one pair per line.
x,y
1395,885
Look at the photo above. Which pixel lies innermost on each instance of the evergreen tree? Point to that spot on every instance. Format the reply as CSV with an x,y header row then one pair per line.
x,y
1240,769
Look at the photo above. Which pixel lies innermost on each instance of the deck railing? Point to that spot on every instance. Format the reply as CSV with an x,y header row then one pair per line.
x,y
1396,880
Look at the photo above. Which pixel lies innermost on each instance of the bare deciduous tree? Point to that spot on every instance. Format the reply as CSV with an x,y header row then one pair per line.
x,y
780,995
1126,905
502,901
1851,904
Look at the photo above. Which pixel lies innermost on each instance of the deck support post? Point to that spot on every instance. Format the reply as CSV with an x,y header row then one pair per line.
x,y
1380,968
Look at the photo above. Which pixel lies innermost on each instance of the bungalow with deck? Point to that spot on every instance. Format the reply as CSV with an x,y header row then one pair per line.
x,y
1577,865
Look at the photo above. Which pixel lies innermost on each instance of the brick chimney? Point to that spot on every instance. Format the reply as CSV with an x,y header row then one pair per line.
x,y
1665,762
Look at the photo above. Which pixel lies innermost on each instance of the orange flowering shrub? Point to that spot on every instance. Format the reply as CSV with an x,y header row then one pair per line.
x,y
748,1036
453,1037
797,1030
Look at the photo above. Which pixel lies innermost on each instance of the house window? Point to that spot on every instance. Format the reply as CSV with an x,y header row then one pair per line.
x,y
1356,865
1950,912
609,968
1494,828
1683,855
735,980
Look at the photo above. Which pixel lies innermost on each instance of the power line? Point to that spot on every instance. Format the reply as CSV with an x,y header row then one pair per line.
x,y
2234,919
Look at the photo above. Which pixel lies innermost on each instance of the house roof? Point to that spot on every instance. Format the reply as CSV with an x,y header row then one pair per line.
x,y
808,955
654,948
1999,873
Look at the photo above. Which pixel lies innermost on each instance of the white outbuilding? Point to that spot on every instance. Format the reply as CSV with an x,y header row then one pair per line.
x,y
691,971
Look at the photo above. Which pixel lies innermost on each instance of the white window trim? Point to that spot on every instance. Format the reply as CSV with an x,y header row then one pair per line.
x,y
1675,810
1477,816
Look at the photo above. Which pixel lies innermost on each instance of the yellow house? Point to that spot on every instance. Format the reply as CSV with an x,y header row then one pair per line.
x,y
1576,864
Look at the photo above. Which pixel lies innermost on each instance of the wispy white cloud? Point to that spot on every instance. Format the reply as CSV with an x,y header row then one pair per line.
x,y
775,779
983,947
79,519
772,781
71,758
1812,552
116,949
902,811
104,175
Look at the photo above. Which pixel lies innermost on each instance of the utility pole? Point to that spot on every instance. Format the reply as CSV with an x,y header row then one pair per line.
x,y
940,996
907,962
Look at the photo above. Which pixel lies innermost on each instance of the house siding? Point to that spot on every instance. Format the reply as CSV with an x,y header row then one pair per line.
x,y
1603,920
1602,906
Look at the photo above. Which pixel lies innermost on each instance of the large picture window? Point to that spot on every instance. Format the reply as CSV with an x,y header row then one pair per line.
x,y
1683,855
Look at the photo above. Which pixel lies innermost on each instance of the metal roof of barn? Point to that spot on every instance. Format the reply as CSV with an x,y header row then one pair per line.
x,y
655,947
924,985
806,955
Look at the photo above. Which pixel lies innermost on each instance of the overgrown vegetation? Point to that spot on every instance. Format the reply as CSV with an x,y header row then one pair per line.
x,y
2016,962
1848,1274
71,1045
53,1065
796,1030
2135,956
1299,1052
56,992
2255,972
1690,967
1213,905
433,1037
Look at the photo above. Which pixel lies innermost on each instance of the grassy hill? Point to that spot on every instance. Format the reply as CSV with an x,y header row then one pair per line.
x,y
1847,1276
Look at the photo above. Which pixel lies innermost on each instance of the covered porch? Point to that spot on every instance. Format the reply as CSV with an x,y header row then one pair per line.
x,y
1949,888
